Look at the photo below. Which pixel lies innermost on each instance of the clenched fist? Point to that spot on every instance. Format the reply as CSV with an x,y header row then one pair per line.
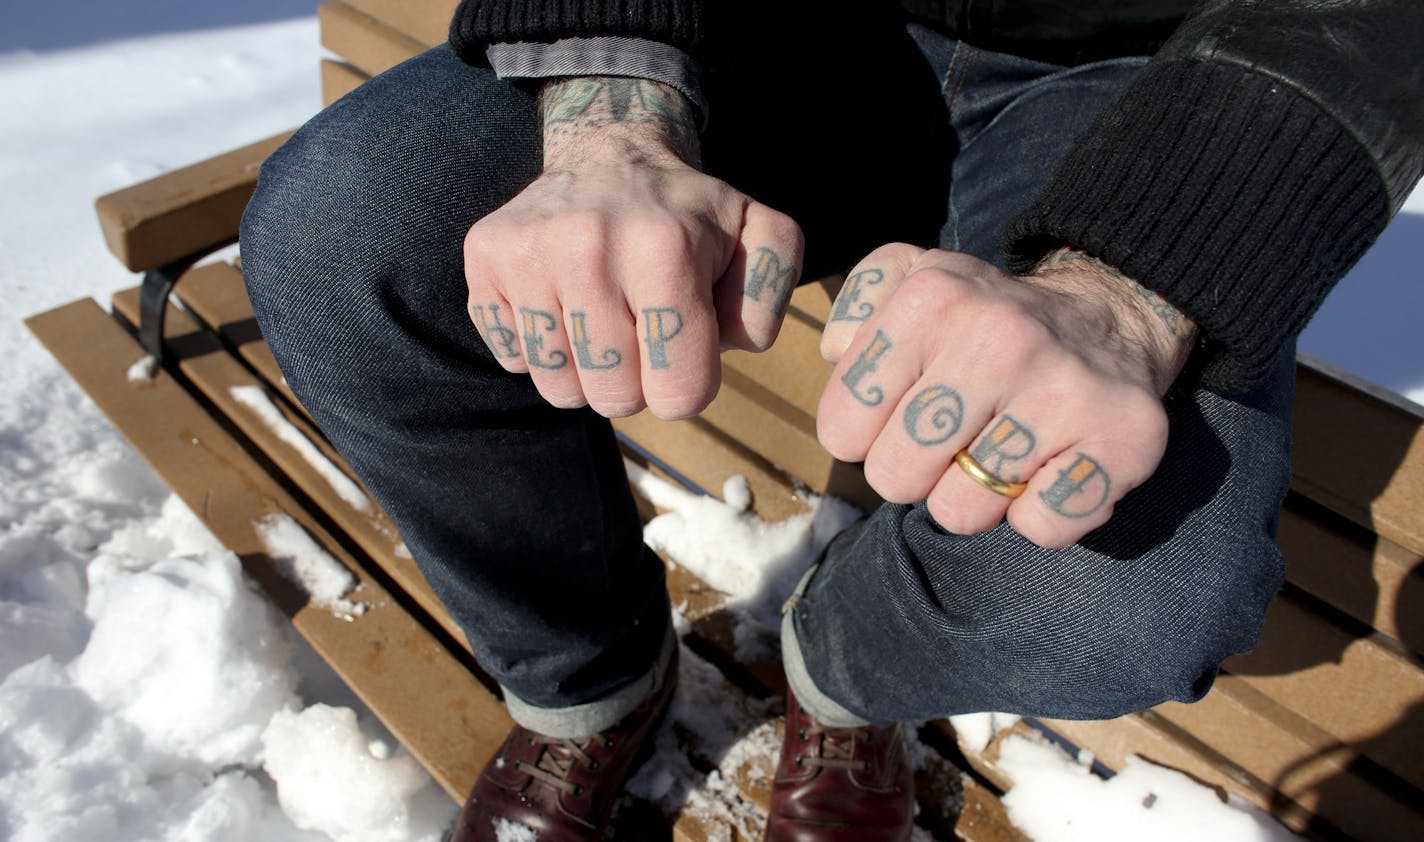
x,y
1050,384
618,275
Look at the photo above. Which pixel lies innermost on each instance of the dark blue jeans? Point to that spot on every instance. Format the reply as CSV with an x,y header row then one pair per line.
x,y
519,514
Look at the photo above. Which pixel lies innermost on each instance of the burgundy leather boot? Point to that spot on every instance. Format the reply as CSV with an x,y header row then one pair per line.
x,y
563,790
840,784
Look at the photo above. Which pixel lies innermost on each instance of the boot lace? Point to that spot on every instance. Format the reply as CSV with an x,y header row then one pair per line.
x,y
837,748
553,766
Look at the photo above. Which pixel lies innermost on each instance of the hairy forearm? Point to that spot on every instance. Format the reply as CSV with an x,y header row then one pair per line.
x,y
1142,316
589,115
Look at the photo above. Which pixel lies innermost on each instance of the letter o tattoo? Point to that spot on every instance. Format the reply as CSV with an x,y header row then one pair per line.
x,y
934,415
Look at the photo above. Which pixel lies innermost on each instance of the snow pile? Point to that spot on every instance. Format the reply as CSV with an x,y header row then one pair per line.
x,y
256,399
305,563
337,778
1055,798
975,730
165,703
756,563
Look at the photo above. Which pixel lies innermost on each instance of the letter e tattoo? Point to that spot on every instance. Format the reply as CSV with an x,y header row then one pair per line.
x,y
849,307
534,338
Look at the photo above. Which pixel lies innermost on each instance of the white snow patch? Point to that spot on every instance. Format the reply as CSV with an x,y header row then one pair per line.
x,y
975,730
143,370
304,562
755,563
257,400
508,831
330,781
1056,799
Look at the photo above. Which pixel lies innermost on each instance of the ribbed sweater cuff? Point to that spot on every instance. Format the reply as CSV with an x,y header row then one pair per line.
x,y
479,23
1230,194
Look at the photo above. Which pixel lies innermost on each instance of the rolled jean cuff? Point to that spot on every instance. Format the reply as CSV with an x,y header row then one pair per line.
x,y
589,718
821,707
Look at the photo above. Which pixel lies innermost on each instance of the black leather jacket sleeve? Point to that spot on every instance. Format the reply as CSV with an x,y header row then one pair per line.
x,y
1247,167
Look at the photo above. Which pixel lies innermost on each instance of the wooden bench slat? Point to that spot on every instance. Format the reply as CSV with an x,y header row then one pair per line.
x,y
423,21
1360,454
338,79
183,212
453,725
1353,689
369,45
1293,756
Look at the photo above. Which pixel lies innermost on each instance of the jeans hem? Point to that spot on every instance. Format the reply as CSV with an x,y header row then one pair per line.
x,y
821,707
590,718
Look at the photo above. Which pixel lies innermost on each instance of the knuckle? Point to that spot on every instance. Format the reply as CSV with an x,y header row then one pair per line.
x,y
888,482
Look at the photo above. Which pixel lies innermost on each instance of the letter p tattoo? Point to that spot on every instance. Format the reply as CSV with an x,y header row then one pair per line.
x,y
661,324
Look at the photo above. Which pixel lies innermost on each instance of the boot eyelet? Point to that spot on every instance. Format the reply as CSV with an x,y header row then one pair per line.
x,y
800,762
801,735
607,742
593,765
578,790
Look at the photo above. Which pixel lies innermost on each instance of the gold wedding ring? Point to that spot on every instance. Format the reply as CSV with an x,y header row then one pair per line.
x,y
977,473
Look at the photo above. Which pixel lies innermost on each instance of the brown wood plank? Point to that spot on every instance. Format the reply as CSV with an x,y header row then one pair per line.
x,y
183,212
1354,689
451,723
215,373
1306,765
338,79
1360,454
369,45
792,368
1375,581
425,21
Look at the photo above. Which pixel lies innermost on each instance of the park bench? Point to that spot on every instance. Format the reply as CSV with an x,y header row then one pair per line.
x,y
1322,725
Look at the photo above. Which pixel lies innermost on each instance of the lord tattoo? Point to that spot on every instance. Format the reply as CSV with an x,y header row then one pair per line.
x,y
660,325
767,274
1008,440
1080,490
499,338
863,367
849,307
934,415
537,325
579,338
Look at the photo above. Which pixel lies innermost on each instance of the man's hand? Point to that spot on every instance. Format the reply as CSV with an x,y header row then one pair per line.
x,y
1053,379
617,276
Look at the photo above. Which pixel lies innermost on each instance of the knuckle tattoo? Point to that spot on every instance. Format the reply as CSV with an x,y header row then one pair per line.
x,y
863,367
660,326
537,325
849,307
768,273
934,415
1080,490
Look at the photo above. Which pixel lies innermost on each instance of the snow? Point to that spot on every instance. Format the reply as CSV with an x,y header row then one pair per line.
x,y
147,692
1056,799
305,563
256,399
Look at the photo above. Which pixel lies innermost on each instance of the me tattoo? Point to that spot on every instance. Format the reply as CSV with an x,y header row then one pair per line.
x,y
849,307
581,342
660,325
945,410
865,365
534,338
1007,441
767,273
1080,490
499,338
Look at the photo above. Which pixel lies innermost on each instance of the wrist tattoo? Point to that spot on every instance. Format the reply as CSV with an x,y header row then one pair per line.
x,y
769,274
592,102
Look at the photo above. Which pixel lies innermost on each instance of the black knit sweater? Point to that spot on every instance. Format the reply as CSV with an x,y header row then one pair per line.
x,y
1236,197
